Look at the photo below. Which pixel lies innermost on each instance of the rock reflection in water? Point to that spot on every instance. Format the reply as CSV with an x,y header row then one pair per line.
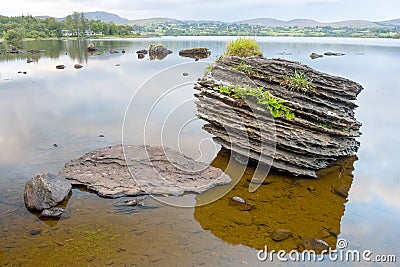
x,y
308,208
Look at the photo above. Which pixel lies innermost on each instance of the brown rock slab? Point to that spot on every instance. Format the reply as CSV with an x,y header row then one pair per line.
x,y
132,170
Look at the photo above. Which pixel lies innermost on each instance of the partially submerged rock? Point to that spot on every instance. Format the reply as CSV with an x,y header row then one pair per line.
x,y
91,48
199,52
323,128
54,212
155,170
45,191
315,55
333,54
158,52
60,67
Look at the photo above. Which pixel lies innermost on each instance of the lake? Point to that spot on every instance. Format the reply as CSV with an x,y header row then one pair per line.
x,y
50,116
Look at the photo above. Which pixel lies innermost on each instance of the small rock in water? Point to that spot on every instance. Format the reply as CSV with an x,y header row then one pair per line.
x,y
100,135
334,231
281,234
133,202
52,212
342,191
24,72
238,199
255,180
117,65
29,61
185,74
311,188
333,54
60,67
45,191
240,203
315,55
19,71
36,231
78,66
313,244
55,145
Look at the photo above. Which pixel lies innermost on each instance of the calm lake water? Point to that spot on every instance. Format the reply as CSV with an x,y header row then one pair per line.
x,y
74,107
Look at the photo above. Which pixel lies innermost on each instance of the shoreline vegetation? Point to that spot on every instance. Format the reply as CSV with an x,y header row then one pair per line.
x,y
14,30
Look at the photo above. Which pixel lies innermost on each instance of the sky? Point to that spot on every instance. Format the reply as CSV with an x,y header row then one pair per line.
x,y
223,10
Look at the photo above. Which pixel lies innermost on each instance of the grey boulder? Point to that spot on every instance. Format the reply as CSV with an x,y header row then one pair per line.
x,y
45,191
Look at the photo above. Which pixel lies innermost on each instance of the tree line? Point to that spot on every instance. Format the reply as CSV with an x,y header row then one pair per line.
x,y
14,29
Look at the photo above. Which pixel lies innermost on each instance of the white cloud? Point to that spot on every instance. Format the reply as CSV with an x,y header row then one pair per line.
x,y
324,10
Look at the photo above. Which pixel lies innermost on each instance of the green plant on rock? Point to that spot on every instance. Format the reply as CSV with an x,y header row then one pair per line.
x,y
209,68
297,81
263,97
243,47
245,68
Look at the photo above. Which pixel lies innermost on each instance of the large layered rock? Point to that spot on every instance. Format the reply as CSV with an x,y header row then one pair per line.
x,y
45,191
324,127
117,171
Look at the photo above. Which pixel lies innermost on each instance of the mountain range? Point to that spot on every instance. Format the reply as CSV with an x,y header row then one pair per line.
x,y
268,22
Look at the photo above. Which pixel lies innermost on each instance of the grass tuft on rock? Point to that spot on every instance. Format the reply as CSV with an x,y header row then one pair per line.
x,y
298,81
243,47
263,98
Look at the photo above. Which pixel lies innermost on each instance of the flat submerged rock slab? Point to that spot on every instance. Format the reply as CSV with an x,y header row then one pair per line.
x,y
155,170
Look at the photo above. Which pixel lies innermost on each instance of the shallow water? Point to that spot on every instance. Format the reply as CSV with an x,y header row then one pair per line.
x,y
71,108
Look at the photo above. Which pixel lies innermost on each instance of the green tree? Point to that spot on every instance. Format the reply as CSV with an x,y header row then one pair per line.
x,y
14,36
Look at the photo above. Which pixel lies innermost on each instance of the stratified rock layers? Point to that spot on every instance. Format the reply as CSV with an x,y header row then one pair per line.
x,y
323,130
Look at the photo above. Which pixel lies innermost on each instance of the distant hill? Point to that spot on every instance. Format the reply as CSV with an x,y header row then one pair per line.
x,y
393,22
302,23
106,17
267,22
142,22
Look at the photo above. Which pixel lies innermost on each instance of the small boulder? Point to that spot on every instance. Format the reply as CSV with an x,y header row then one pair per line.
x,y
342,191
36,231
313,244
52,212
334,231
199,52
91,48
258,181
29,61
142,51
315,55
78,66
240,203
158,51
45,191
281,234
60,67
333,54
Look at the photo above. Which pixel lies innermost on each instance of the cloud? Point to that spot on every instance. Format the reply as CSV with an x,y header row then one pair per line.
x,y
232,10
